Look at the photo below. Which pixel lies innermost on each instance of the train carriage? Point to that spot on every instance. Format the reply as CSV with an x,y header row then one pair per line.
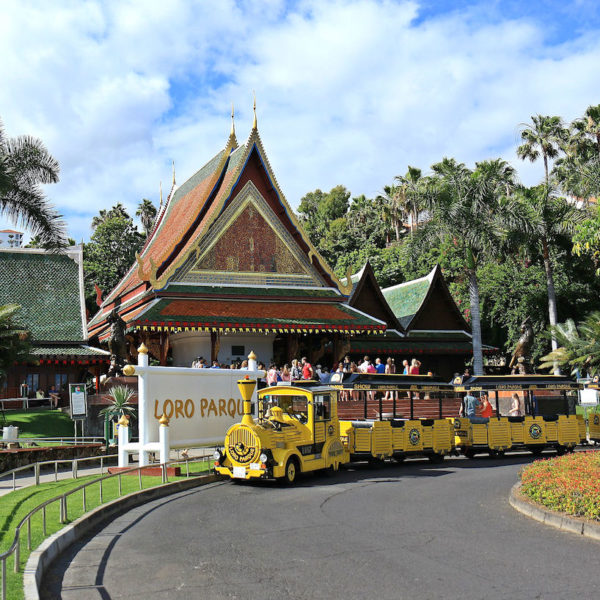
x,y
399,416
547,416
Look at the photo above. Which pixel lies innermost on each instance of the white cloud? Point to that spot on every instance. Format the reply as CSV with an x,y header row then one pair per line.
x,y
348,92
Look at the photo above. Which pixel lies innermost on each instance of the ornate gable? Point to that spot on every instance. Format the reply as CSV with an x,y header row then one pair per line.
x,y
248,245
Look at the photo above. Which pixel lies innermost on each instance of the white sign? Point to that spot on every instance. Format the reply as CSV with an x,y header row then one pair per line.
x,y
78,397
201,405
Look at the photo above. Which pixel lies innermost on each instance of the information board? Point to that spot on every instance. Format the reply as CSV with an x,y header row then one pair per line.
x,y
78,397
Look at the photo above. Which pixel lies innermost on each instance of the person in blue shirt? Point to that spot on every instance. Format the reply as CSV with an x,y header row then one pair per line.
x,y
379,366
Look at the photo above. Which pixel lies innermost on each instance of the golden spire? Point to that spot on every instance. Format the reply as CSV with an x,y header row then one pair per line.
x,y
160,191
173,173
254,124
232,120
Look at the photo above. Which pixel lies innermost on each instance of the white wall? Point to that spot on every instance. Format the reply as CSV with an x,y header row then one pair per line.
x,y
187,345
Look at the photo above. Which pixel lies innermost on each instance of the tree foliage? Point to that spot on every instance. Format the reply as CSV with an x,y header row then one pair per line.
x,y
14,339
25,165
110,252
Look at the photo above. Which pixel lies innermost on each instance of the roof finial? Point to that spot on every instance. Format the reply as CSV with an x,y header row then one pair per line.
x,y
254,124
160,189
173,173
232,120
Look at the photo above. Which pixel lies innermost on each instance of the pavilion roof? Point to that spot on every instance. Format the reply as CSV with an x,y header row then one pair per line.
x,y
49,288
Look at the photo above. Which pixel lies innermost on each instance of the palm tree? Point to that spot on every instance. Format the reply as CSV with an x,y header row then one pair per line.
x,y
412,185
579,346
548,218
393,202
147,213
118,210
25,164
545,136
471,207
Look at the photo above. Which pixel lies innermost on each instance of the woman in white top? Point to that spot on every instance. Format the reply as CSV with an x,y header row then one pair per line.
x,y
515,407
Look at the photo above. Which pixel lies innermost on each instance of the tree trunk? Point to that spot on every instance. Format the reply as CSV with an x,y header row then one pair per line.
x,y
552,312
475,323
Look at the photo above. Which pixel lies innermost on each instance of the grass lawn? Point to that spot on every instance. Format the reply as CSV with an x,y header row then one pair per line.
x,y
40,423
15,505
569,483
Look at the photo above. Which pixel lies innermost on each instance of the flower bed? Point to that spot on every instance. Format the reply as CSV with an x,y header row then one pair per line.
x,y
569,483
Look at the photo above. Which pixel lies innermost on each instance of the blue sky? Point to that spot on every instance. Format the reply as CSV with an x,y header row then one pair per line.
x,y
348,92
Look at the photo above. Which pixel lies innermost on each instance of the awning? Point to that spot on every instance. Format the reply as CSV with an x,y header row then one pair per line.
x,y
69,354
254,316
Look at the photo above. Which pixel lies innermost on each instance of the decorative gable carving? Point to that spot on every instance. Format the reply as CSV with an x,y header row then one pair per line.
x,y
248,245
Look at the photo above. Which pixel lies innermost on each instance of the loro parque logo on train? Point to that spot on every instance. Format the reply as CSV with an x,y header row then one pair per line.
x,y
203,408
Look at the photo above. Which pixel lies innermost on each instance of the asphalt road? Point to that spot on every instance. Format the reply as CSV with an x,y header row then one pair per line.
x,y
411,531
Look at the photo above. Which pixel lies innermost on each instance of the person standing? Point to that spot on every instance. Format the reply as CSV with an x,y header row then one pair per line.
x,y
272,375
515,407
486,408
346,364
307,370
379,366
471,404
414,367
296,370
286,374
405,367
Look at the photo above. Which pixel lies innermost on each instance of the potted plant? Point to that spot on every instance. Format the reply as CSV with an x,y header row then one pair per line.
x,y
120,397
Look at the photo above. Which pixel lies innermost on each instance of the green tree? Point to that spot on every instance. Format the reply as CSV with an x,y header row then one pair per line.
x,y
394,209
549,217
120,397
579,346
147,213
110,253
36,242
118,210
412,190
543,137
469,207
14,339
26,164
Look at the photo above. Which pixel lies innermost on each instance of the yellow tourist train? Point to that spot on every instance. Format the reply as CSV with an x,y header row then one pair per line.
x,y
306,426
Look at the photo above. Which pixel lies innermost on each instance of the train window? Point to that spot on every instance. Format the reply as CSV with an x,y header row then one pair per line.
x,y
323,407
291,405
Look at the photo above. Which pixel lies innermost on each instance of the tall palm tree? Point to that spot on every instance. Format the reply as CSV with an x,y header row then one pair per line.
x,y
544,136
147,213
26,164
412,185
393,202
548,217
118,210
471,207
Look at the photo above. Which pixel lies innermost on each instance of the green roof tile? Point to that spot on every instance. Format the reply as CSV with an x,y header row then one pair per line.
x,y
406,299
69,350
47,288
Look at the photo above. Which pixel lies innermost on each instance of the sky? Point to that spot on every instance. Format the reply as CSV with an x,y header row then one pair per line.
x,y
348,92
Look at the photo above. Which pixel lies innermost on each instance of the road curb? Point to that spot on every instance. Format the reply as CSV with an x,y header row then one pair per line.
x,y
49,549
552,518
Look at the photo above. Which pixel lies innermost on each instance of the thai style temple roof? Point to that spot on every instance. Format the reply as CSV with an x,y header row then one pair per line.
x,y
49,288
228,233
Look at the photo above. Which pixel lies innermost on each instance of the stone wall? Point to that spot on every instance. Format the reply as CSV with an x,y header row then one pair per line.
x,y
12,458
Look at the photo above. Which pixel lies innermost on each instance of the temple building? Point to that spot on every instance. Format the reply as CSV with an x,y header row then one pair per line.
x,y
227,269
49,289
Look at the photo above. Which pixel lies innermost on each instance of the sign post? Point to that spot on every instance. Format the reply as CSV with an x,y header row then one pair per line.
x,y
78,402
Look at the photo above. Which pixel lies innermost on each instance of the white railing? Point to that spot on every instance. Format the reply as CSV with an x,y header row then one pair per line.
x,y
36,467
63,440
15,548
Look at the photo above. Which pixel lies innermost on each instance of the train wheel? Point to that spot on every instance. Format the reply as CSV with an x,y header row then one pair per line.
x,y
436,459
496,453
536,450
470,453
560,450
291,471
571,449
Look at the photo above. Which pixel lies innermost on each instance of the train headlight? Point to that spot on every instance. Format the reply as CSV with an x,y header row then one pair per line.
x,y
263,458
217,455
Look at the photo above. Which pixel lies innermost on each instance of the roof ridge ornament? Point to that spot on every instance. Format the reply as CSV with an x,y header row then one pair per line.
x,y
173,163
160,192
232,120
254,123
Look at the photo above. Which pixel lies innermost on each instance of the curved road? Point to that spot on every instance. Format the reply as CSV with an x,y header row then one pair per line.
x,y
411,531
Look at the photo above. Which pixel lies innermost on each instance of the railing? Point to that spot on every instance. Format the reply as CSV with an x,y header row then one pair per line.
x,y
36,467
64,440
15,548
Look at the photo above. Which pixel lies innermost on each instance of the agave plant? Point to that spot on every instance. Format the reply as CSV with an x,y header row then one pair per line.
x,y
120,397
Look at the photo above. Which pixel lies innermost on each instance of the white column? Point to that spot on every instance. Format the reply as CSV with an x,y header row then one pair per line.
x,y
163,439
123,432
143,413
252,366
